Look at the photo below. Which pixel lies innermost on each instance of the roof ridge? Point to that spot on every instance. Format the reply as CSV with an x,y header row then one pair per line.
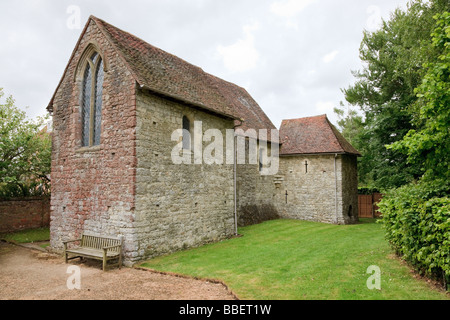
x,y
111,41
211,81
166,52
334,133
101,24
150,45
338,136
309,117
313,135
154,70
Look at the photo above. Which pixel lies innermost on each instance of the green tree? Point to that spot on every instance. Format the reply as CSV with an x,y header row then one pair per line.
x,y
416,216
428,145
384,90
351,124
25,152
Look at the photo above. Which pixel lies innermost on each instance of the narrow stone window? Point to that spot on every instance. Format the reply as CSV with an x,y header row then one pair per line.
x,y
91,110
86,109
186,133
261,150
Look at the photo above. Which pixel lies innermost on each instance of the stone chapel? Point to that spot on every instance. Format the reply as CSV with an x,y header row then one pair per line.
x,y
115,112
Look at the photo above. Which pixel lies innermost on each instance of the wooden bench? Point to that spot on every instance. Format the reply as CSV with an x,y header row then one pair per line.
x,y
93,247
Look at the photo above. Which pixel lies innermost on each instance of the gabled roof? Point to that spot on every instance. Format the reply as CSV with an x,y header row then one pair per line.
x,y
313,135
167,75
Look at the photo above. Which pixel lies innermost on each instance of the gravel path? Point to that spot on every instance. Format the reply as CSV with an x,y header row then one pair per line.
x,y
27,274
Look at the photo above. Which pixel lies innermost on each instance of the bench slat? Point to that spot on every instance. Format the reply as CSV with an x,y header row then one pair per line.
x,y
91,252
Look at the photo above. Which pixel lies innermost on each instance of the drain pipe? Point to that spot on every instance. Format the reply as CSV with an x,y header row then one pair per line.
x,y
335,190
235,177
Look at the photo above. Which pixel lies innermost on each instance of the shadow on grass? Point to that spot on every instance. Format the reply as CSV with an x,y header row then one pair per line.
x,y
369,220
27,236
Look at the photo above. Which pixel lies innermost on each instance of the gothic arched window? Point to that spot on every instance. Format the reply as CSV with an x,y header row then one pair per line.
x,y
91,109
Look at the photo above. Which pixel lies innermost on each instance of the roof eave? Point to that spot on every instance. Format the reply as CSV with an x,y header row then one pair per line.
x,y
319,153
190,103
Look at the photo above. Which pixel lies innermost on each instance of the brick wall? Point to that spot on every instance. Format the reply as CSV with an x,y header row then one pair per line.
x,y
22,214
93,188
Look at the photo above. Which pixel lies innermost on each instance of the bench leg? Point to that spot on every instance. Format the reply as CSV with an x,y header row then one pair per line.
x,y
104,260
65,253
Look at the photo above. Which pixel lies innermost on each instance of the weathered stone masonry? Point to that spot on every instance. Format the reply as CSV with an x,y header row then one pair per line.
x,y
319,191
177,205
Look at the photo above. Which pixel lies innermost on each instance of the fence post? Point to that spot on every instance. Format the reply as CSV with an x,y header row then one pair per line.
x,y
373,211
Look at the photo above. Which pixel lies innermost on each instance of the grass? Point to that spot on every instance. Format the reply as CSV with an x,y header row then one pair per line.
x,y
28,236
299,260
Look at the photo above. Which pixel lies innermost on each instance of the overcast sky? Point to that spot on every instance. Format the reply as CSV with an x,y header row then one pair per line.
x,y
292,56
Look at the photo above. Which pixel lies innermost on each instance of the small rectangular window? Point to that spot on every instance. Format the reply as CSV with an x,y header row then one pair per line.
x,y
186,133
260,159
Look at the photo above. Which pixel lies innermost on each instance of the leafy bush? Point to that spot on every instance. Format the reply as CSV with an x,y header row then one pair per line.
x,y
416,218
24,190
367,190
25,152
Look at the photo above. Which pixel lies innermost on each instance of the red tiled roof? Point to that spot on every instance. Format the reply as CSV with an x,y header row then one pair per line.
x,y
170,76
312,135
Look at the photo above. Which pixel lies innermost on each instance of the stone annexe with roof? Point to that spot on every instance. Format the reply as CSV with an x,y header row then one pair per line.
x,y
114,112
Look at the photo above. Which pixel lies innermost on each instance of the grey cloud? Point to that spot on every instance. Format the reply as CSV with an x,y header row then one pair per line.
x,y
37,45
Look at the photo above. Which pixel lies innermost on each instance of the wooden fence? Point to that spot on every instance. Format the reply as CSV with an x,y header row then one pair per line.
x,y
367,205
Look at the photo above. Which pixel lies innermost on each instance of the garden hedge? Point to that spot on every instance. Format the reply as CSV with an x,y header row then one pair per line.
x,y
416,218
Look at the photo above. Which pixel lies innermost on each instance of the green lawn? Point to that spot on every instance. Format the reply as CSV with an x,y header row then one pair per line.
x,y
27,236
296,260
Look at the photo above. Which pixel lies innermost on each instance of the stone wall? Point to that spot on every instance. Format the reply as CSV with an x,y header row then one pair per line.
x,y
93,189
23,214
321,191
178,205
318,191
310,189
349,189
255,192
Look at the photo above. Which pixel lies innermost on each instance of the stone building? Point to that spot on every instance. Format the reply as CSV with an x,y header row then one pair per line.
x,y
124,110
318,170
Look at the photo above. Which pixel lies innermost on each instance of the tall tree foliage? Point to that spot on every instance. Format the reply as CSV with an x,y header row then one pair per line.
x,y
416,216
384,91
25,152
428,145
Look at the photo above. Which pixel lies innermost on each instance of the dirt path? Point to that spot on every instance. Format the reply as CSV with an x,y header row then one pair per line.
x,y
33,275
